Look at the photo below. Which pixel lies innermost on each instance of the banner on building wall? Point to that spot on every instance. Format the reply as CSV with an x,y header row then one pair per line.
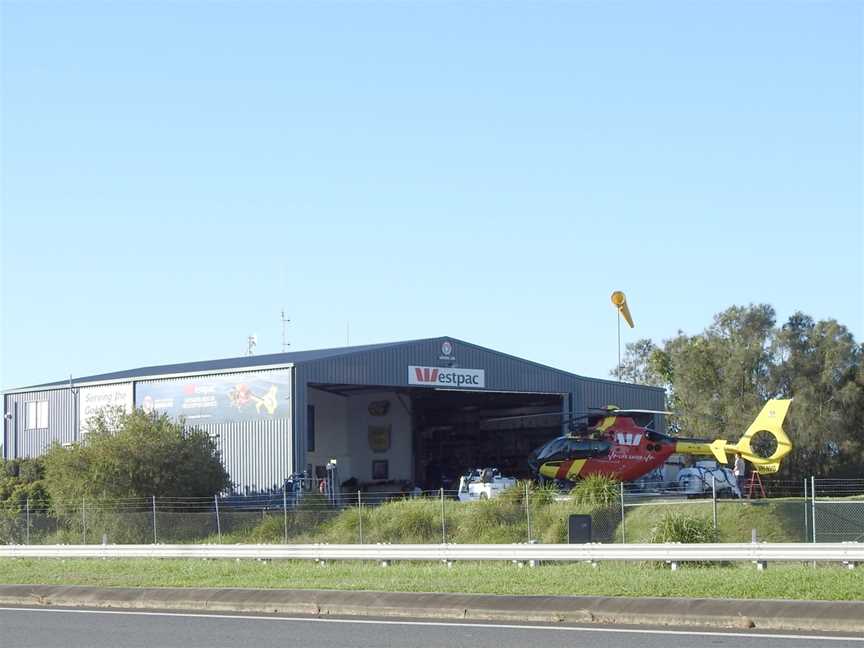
x,y
92,400
219,399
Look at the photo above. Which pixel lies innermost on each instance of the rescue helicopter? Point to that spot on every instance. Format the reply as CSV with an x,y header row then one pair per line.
x,y
609,441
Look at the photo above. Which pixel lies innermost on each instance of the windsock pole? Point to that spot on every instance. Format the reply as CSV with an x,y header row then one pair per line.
x,y
618,317
619,301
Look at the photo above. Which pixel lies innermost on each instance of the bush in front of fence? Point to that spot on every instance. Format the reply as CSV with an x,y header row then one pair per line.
x,y
678,527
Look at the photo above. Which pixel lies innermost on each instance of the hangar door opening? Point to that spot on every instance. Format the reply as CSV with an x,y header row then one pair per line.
x,y
452,433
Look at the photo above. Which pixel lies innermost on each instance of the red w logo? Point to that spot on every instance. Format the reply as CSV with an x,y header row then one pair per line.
x,y
426,374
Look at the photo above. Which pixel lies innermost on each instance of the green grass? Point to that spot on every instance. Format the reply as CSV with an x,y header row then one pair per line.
x,y
790,581
502,520
775,520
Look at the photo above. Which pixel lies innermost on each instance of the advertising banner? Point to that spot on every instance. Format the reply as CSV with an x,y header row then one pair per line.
x,y
91,400
219,399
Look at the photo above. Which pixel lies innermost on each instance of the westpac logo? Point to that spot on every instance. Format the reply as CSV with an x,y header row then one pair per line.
x,y
446,377
426,374
628,438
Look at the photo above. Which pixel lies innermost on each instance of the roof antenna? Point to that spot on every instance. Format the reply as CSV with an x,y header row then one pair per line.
x,y
251,343
285,343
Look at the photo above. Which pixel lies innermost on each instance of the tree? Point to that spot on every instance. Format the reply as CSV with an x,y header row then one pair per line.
x,y
638,366
820,366
720,378
131,456
22,484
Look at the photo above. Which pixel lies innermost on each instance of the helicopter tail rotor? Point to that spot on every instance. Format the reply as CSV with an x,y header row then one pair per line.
x,y
764,444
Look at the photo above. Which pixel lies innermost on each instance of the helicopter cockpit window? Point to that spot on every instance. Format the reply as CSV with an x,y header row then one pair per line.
x,y
577,446
599,448
552,449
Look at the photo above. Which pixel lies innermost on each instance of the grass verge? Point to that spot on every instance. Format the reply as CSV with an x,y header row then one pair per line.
x,y
790,581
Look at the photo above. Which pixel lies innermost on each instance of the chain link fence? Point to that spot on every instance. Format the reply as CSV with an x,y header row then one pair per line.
x,y
814,510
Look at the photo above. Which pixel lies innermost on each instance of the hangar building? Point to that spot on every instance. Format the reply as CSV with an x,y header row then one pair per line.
x,y
402,413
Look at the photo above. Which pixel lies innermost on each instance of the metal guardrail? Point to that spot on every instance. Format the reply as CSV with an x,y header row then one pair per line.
x,y
760,553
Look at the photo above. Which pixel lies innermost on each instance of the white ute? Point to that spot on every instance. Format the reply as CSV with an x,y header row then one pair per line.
x,y
484,483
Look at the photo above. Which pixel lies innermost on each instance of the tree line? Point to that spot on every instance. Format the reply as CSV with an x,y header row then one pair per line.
x,y
718,380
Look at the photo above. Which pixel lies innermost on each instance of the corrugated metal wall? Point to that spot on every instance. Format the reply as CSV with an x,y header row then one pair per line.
x,y
600,393
257,453
389,367
62,423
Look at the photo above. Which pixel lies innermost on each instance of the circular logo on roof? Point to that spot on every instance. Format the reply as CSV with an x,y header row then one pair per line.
x,y
446,348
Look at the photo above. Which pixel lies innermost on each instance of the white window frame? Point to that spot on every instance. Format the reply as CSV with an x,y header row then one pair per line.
x,y
42,415
36,415
30,415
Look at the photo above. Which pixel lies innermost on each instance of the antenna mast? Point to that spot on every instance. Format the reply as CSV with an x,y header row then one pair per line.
x,y
251,343
285,343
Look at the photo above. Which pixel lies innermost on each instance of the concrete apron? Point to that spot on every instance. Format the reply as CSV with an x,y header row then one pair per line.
x,y
833,616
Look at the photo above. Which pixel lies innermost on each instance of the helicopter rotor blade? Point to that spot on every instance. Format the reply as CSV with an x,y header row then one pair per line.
x,y
617,412
624,412
560,418
523,416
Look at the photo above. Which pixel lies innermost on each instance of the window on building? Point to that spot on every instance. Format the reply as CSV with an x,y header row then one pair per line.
x,y
310,428
36,415
42,414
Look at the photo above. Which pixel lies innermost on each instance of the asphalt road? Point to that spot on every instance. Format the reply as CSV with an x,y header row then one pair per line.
x,y
50,627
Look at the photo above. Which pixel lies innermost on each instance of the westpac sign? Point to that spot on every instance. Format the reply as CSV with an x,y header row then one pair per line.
x,y
446,377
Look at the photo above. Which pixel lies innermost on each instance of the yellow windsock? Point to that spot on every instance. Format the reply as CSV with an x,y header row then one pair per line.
x,y
619,301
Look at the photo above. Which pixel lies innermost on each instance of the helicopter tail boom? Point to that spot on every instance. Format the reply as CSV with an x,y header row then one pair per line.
x,y
717,448
769,422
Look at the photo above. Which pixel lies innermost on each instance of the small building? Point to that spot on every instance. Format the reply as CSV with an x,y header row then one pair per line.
x,y
399,414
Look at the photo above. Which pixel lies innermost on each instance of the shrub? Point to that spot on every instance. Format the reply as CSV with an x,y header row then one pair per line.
x,y
539,495
596,490
486,522
676,527
407,521
133,455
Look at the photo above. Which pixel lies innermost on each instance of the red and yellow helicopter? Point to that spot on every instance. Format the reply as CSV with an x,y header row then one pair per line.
x,y
610,442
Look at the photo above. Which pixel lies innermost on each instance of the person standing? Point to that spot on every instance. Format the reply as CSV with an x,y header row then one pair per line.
x,y
740,471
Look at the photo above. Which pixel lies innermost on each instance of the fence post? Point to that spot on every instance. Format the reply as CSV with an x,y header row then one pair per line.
x,y
154,520
218,523
813,505
84,520
528,511
806,521
285,512
443,522
714,498
27,504
360,515
623,535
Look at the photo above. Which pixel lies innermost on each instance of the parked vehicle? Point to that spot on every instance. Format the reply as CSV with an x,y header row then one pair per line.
x,y
697,480
483,483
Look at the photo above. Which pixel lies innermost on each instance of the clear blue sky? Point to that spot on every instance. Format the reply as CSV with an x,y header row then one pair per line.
x,y
173,174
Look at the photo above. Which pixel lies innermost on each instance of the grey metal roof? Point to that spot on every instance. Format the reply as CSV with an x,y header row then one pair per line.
x,y
306,358
242,362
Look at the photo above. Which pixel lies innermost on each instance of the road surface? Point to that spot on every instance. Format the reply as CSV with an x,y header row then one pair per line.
x,y
69,628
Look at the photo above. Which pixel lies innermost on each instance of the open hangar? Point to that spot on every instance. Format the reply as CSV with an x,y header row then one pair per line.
x,y
392,415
